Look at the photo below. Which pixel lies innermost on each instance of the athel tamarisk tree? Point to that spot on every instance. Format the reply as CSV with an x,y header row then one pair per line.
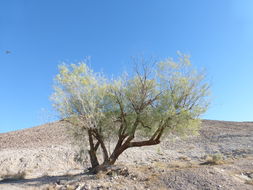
x,y
137,109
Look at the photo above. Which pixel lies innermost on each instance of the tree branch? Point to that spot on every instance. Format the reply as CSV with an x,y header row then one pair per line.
x,y
96,146
144,143
101,142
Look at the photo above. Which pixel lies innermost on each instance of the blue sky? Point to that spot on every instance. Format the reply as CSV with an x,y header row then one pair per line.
x,y
43,33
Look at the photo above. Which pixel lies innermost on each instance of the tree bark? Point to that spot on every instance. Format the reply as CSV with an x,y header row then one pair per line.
x,y
102,144
92,151
144,143
116,153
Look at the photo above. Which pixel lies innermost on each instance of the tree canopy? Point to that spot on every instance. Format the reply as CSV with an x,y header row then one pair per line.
x,y
157,99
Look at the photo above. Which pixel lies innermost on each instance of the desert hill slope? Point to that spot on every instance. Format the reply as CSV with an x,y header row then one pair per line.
x,y
46,150
55,133
43,135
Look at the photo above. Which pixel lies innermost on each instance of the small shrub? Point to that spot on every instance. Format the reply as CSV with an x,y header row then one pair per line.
x,y
158,151
81,156
214,159
16,176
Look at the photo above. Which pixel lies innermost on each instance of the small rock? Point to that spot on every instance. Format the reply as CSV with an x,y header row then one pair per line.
x,y
79,187
71,187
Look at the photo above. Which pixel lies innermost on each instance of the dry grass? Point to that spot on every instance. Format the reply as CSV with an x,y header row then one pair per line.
x,y
179,164
160,165
149,176
214,159
101,175
185,158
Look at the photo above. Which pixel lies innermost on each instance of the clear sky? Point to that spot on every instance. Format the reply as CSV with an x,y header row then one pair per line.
x,y
43,33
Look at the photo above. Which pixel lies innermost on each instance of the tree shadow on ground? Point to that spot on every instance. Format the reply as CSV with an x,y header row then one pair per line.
x,y
44,180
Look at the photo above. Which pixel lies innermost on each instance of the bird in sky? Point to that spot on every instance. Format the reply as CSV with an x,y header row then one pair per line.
x,y
7,51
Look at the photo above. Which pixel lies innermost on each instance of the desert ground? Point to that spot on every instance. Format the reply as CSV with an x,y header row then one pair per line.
x,y
43,157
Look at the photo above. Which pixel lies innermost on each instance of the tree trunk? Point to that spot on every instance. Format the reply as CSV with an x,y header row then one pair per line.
x,y
92,151
93,159
109,162
120,147
116,153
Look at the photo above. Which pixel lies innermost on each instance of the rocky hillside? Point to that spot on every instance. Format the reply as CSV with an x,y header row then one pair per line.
x,y
221,157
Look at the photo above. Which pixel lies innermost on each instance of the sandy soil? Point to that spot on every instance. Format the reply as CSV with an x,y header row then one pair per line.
x,y
44,157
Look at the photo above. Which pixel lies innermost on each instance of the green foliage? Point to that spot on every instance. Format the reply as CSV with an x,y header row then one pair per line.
x,y
216,158
172,94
